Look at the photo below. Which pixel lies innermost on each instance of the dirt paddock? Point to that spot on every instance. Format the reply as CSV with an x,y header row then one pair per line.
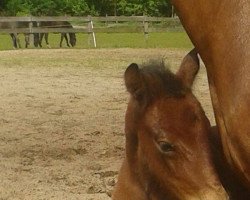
x,y
62,120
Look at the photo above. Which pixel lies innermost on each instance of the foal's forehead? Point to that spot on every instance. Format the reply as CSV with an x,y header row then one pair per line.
x,y
184,110
176,122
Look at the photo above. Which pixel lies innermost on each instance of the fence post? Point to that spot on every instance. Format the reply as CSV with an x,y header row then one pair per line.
x,y
172,14
91,31
31,35
106,22
145,25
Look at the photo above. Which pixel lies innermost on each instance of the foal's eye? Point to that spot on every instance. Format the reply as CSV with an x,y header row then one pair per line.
x,y
166,146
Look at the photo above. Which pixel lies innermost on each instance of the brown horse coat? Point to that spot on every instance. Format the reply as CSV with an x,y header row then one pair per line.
x,y
233,186
220,30
167,147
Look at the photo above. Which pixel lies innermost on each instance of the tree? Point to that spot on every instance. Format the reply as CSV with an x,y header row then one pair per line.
x,y
13,7
77,7
43,7
86,7
2,5
102,7
144,7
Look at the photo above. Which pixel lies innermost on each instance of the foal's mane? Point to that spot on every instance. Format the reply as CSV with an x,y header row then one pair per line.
x,y
159,80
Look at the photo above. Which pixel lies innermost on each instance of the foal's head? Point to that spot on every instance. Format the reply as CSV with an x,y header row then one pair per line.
x,y
167,134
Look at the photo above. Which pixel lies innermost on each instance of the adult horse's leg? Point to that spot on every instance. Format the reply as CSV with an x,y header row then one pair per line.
x,y
12,35
27,40
18,41
236,190
64,36
46,37
61,39
15,40
36,39
41,39
72,39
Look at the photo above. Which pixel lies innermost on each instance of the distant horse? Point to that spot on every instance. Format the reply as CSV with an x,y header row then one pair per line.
x,y
57,24
15,36
168,155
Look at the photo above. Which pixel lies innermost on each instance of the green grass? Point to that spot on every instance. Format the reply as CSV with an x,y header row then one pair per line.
x,y
115,40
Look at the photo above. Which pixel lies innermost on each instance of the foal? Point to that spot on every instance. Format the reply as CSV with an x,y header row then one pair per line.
x,y
167,147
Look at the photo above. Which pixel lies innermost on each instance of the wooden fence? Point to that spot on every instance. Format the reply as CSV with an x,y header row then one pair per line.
x,y
91,25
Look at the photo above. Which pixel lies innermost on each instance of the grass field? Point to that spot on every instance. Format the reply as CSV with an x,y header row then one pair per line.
x,y
115,40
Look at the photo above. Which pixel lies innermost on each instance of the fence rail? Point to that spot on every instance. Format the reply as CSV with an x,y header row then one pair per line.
x,y
86,28
87,18
90,25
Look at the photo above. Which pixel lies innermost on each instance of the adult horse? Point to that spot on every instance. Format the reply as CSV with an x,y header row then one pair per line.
x,y
15,36
167,146
220,32
58,24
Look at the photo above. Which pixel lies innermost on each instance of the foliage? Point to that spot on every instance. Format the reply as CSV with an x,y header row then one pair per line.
x,y
85,7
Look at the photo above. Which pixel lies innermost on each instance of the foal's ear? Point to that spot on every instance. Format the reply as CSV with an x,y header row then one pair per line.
x,y
133,80
189,68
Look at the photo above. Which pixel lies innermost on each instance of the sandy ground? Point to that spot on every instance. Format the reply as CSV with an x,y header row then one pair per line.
x,y
62,120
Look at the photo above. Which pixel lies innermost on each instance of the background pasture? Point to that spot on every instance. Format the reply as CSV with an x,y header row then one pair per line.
x,y
62,119
114,40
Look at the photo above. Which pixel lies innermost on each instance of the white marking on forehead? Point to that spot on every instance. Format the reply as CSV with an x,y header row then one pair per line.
x,y
154,117
154,120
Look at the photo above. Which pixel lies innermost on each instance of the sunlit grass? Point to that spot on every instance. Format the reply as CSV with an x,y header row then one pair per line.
x,y
114,40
